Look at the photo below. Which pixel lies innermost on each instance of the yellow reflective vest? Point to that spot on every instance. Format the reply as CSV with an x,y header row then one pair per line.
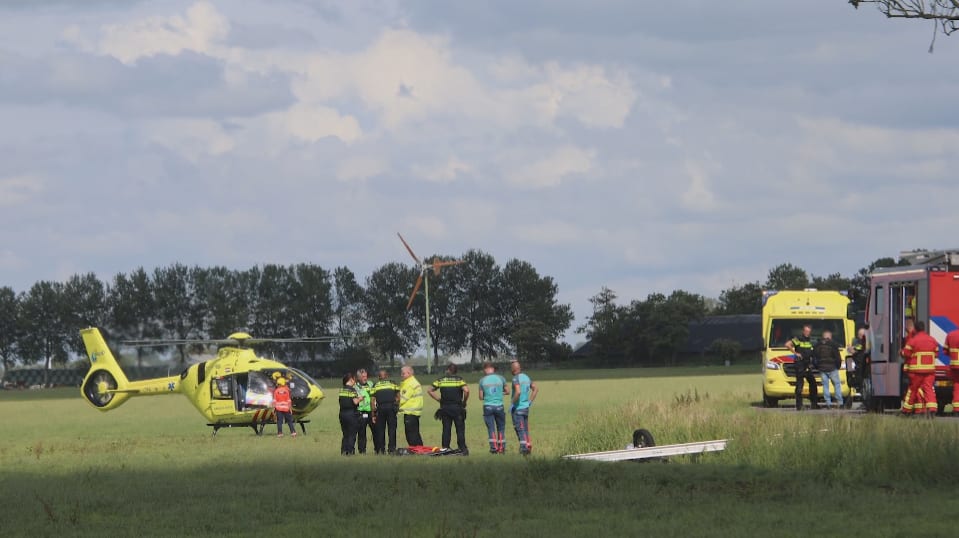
x,y
411,396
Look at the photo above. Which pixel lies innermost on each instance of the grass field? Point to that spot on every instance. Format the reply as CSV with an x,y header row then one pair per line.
x,y
152,468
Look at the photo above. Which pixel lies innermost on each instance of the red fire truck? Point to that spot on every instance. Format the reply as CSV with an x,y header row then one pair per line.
x,y
927,289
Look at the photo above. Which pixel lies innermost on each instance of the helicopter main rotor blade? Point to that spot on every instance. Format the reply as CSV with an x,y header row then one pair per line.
x,y
183,342
408,249
416,288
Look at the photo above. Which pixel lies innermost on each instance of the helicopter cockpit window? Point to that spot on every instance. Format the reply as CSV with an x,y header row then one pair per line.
x,y
221,388
259,390
300,384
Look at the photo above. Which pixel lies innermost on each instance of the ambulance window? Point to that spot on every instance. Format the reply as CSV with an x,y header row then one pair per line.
x,y
879,299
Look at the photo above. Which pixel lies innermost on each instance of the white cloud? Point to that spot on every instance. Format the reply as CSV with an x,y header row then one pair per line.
x,y
445,172
192,138
551,232
199,31
697,196
427,226
314,122
551,170
360,167
19,190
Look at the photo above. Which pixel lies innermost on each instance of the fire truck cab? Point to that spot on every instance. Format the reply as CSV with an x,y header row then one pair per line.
x,y
927,289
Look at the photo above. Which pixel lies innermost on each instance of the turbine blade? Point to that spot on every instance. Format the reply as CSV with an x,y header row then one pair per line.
x,y
438,264
416,288
408,249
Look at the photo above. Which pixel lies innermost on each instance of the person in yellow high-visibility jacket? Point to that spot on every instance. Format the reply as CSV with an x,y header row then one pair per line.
x,y
411,406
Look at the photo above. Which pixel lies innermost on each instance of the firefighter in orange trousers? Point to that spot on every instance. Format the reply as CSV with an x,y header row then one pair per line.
x,y
909,398
952,344
920,353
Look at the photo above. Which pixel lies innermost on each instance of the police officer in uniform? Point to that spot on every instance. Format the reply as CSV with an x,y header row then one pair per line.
x,y
364,387
453,394
349,414
801,346
386,397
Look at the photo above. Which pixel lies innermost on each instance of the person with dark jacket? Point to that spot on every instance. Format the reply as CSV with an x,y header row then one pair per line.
x,y
827,359
350,423
386,397
801,346
453,394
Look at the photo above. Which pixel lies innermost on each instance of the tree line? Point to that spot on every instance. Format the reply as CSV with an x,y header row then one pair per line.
x,y
654,330
478,307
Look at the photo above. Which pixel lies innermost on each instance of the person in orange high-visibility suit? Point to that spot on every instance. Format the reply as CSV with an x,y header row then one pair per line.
x,y
913,387
283,406
920,353
952,344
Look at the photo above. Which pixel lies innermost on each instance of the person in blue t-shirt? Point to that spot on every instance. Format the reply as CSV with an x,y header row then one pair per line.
x,y
524,392
492,388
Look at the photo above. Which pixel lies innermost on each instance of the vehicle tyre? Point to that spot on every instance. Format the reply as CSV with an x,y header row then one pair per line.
x,y
869,400
643,439
769,401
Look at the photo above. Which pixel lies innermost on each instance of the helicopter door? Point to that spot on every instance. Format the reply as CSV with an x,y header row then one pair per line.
x,y
259,390
222,395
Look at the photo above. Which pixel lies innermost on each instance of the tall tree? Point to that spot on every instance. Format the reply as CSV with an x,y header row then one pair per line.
x,y
787,276
745,299
533,317
85,305
311,307
174,293
9,329
392,331
43,326
477,294
132,310
603,327
347,304
833,281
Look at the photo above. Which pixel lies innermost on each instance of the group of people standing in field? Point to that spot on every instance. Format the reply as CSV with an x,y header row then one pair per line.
x,y
364,404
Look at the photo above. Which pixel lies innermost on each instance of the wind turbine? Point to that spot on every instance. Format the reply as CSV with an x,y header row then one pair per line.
x,y
424,279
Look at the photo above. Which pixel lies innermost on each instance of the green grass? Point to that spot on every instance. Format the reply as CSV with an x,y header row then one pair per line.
x,y
152,468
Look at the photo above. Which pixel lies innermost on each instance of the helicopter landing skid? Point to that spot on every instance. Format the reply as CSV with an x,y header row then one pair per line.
x,y
258,427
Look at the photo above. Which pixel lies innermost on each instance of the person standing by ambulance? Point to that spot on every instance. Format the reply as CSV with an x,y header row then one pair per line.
x,y
524,392
801,346
827,358
952,345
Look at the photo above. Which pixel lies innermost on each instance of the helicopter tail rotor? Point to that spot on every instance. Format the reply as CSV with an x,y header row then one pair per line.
x,y
104,386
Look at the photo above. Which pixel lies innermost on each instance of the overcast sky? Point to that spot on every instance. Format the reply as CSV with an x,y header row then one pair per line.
x,y
643,146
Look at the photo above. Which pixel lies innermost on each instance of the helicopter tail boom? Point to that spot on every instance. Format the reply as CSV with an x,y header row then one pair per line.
x,y
105,386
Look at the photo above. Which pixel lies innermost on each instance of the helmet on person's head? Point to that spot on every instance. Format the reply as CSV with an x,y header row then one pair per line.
x,y
281,381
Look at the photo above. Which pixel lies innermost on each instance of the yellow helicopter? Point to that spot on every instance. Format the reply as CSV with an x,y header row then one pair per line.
x,y
233,389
